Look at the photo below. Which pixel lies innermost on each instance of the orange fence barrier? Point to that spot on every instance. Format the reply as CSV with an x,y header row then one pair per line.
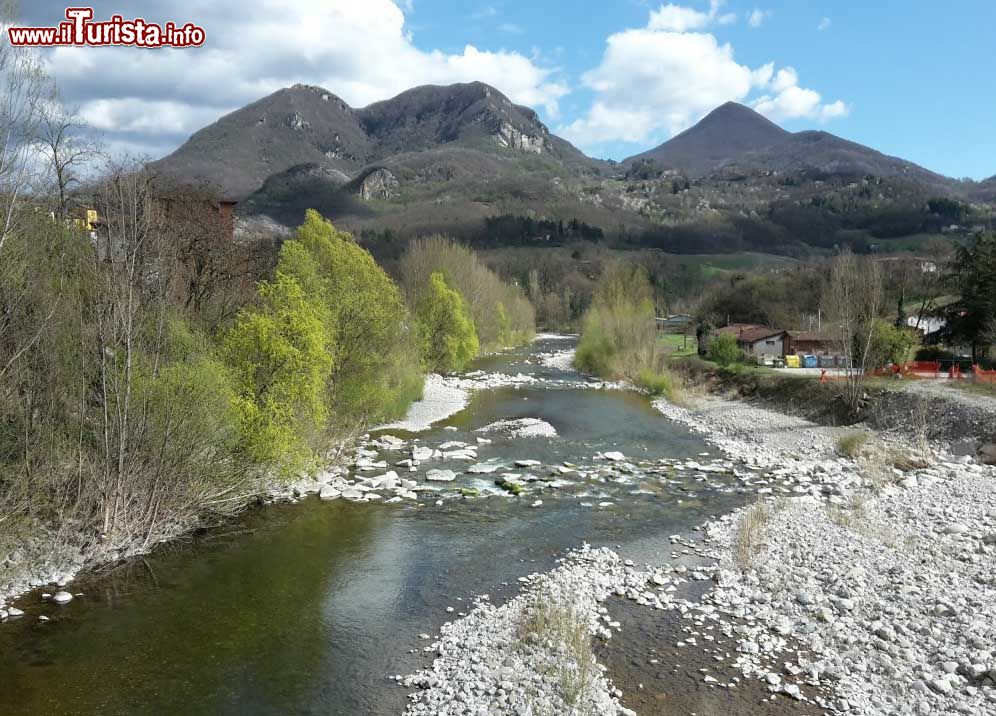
x,y
924,369
984,376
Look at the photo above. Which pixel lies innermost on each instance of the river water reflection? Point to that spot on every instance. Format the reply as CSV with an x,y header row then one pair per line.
x,y
308,608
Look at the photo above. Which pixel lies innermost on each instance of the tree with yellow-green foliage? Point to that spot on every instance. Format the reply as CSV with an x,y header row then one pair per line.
x,y
502,315
326,349
446,331
372,361
280,353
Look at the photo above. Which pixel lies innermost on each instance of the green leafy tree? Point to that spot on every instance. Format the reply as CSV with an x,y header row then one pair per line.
x,y
366,316
723,349
280,355
446,332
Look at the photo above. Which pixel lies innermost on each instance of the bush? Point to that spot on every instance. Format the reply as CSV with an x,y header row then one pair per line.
x,y
723,349
891,344
656,383
850,445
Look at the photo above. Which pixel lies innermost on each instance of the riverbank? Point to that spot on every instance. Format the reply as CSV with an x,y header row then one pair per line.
x,y
51,556
869,589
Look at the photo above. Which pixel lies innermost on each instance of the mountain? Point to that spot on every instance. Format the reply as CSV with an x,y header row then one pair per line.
x,y
728,132
735,137
309,126
465,161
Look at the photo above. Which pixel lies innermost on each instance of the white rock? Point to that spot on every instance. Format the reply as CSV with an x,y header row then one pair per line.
x,y
440,476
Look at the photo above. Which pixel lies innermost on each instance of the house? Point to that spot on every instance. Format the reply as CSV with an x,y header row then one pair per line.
x,y
675,323
811,343
757,340
926,324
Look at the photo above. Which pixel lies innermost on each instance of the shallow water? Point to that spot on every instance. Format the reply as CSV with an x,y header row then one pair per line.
x,y
307,608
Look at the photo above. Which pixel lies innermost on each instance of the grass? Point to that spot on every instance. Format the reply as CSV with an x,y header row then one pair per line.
x,y
853,516
852,444
567,636
750,532
970,386
676,345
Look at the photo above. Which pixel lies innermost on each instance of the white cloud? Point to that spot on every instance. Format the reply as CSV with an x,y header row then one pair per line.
x,y
757,17
362,52
784,79
653,82
678,18
824,24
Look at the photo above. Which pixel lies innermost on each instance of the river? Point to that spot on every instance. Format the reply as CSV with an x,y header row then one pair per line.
x,y
308,608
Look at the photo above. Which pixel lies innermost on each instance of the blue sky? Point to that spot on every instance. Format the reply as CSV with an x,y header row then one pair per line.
x,y
912,79
919,78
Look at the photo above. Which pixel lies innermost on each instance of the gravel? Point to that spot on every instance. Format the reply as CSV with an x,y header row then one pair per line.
x,y
863,599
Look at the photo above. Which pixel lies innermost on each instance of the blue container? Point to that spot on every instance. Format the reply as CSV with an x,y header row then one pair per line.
x,y
809,361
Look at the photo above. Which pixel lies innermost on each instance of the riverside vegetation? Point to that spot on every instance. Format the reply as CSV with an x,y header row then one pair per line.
x,y
154,378
619,333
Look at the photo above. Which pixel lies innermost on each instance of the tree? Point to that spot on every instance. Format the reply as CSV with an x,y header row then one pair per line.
x,y
23,89
619,332
973,274
280,354
446,332
723,349
60,134
366,313
480,287
854,301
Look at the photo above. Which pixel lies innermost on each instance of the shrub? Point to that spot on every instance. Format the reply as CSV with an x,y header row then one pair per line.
x,y
656,383
891,344
723,349
850,445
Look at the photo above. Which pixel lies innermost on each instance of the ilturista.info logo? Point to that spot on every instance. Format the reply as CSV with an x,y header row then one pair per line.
x,y
80,29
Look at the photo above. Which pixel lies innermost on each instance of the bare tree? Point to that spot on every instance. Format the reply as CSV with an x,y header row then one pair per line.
x,y
854,300
23,89
66,147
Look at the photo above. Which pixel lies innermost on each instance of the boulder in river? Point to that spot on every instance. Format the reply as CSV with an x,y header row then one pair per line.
x,y
62,597
440,476
421,453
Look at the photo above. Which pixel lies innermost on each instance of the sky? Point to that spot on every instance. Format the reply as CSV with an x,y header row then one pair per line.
x,y
914,79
